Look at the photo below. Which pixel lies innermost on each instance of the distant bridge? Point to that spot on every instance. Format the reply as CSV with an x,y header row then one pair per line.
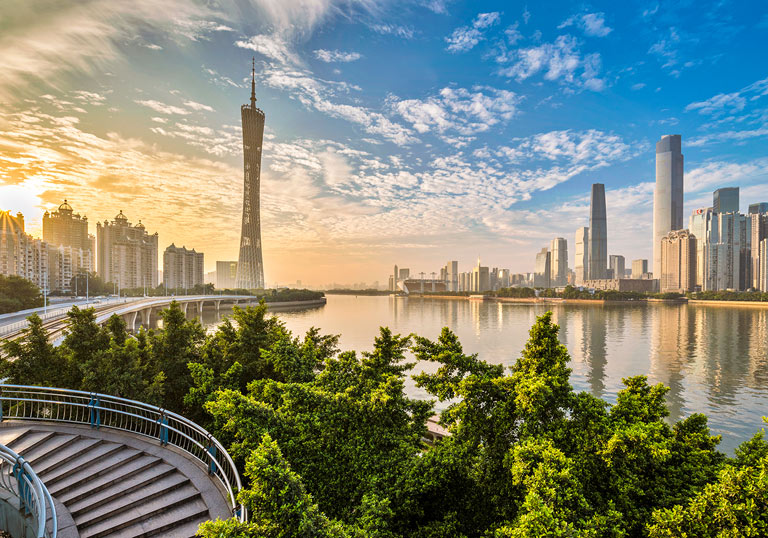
x,y
131,309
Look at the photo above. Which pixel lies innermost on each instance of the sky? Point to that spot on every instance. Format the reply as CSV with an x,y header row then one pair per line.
x,y
397,132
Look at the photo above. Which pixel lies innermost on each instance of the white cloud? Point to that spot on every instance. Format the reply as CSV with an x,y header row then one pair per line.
x,y
561,60
729,136
591,147
466,37
272,46
459,109
329,56
719,174
592,24
719,104
405,32
198,106
163,108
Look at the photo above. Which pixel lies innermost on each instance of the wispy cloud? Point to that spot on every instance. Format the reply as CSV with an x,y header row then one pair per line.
x,y
162,108
271,46
561,60
330,56
405,32
466,37
592,24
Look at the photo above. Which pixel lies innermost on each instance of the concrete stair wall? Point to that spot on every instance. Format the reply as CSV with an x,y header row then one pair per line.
x,y
116,484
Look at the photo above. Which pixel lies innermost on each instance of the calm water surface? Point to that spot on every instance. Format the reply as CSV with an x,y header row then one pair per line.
x,y
713,358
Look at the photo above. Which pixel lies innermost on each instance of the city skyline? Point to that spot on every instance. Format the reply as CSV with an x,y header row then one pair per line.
x,y
466,151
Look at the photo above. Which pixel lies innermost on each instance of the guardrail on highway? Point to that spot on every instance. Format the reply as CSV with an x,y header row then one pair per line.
x,y
104,411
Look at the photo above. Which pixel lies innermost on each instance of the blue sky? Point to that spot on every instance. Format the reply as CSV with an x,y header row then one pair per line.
x,y
398,132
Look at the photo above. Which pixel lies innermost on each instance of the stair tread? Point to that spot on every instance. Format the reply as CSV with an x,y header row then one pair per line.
x,y
115,465
23,442
154,515
47,448
77,449
95,453
9,435
150,480
139,501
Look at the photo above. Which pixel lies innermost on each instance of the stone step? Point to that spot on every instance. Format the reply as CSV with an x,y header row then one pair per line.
x,y
29,440
141,485
10,436
96,454
64,455
179,522
173,508
81,479
81,489
49,448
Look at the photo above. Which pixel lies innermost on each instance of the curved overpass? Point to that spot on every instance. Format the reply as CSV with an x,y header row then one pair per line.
x,y
132,310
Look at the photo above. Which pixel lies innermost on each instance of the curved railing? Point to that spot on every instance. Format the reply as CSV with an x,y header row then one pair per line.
x,y
103,411
18,478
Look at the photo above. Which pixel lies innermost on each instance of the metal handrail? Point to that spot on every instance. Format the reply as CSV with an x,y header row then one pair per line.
x,y
21,481
102,410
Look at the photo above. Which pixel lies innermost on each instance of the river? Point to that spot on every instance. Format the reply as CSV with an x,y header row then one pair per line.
x,y
713,358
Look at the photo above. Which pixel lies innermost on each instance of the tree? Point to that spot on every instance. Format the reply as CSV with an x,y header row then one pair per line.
x,y
31,359
17,293
277,501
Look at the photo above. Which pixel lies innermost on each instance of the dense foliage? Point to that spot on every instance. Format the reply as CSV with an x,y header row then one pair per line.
x,y
516,292
730,296
17,293
331,446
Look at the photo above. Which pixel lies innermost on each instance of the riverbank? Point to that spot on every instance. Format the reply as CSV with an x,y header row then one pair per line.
x,y
296,305
555,300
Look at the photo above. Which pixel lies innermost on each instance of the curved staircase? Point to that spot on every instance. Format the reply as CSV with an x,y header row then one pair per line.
x,y
109,483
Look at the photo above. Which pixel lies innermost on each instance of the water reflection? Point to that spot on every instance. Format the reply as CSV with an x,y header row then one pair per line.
x,y
713,358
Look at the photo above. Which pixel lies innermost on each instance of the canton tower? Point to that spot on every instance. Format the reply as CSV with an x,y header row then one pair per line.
x,y
250,266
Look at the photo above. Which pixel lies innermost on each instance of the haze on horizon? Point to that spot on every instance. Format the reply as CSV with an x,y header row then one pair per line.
x,y
408,132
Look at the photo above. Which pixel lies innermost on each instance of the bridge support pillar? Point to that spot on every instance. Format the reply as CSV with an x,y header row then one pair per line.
x,y
218,306
130,320
184,307
145,315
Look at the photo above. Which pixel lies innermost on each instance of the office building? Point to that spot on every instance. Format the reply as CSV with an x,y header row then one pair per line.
x,y
639,268
722,254
581,264
668,193
250,264
678,262
726,200
758,232
616,266
598,234
481,279
760,207
405,273
762,270
182,268
126,254
559,262
451,275
541,276
642,285
226,275
700,225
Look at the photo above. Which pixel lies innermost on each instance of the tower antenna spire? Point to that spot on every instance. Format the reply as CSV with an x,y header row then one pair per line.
x,y
253,82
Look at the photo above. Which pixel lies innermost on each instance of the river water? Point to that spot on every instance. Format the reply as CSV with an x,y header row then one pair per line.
x,y
713,358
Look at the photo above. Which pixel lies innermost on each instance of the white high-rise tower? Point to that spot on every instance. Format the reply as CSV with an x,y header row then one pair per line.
x,y
668,195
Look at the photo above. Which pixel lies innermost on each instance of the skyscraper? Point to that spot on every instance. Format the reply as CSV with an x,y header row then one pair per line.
x,y
678,262
598,235
617,265
541,278
760,207
639,268
581,264
726,200
668,195
226,273
250,265
559,262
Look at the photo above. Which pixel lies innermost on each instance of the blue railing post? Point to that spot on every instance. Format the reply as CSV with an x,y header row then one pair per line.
x,y
212,452
163,421
95,411
1,404
18,472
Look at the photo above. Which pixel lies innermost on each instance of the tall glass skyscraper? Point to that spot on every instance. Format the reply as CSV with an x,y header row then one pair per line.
x,y
668,195
726,200
597,248
250,265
